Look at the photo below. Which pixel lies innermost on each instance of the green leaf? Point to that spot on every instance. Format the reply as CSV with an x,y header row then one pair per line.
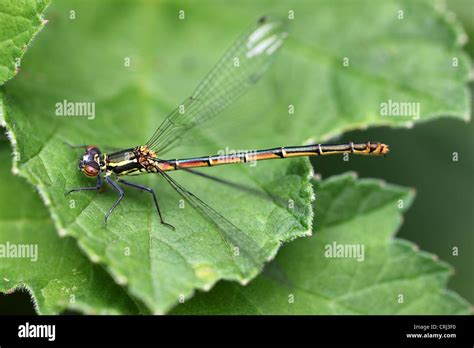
x,y
19,23
390,276
53,270
83,59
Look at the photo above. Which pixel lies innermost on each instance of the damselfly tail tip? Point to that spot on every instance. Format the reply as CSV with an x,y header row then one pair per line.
x,y
377,149
384,149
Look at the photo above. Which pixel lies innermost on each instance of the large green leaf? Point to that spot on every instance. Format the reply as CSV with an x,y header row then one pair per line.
x,y
19,22
82,59
53,270
391,276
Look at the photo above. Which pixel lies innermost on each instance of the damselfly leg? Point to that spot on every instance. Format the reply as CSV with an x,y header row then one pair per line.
x,y
121,195
147,189
92,188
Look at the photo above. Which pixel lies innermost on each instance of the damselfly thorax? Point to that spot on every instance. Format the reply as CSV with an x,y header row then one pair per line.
x,y
132,161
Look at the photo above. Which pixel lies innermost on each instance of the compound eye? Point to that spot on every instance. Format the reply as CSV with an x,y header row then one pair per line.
x,y
90,170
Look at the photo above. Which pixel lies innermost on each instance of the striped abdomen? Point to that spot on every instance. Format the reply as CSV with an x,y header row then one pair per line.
x,y
368,148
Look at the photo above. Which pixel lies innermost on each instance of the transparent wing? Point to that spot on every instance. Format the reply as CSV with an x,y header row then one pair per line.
x,y
247,255
239,68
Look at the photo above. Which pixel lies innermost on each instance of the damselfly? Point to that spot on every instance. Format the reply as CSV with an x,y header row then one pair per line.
x,y
254,51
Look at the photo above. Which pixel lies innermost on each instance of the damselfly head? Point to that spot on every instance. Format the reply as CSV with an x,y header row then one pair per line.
x,y
89,164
